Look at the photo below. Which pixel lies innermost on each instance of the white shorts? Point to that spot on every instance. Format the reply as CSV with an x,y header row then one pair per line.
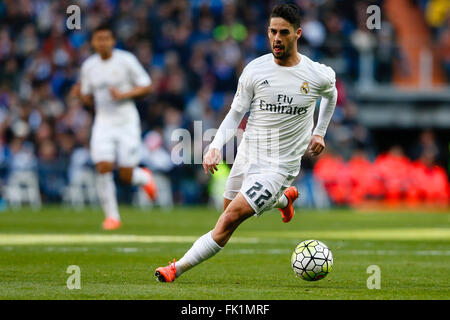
x,y
260,186
120,144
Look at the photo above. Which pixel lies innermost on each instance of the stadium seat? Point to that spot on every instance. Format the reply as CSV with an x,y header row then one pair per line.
x,y
81,189
312,192
23,187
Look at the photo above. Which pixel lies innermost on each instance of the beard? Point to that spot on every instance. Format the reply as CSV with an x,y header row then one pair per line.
x,y
284,54
281,56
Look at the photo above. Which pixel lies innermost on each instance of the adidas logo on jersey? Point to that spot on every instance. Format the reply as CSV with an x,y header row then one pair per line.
x,y
265,83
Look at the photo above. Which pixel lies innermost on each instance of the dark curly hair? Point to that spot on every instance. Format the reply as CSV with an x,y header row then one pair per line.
x,y
105,26
289,12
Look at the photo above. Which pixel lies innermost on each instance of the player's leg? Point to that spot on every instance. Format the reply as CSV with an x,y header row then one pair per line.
x,y
138,176
226,202
206,246
210,243
282,202
106,190
236,212
102,153
285,194
129,156
285,204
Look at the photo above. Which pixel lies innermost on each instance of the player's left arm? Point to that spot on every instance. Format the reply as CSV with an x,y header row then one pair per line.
x,y
326,109
140,78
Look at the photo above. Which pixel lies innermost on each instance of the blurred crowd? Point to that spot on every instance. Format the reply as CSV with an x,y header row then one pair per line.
x,y
391,178
194,52
437,16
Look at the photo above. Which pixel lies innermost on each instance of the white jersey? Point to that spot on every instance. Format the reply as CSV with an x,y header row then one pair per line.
x,y
121,71
281,102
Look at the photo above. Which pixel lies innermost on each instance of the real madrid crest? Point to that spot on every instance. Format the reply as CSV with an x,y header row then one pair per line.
x,y
305,88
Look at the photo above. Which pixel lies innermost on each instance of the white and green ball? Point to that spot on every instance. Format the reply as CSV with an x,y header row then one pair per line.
x,y
312,260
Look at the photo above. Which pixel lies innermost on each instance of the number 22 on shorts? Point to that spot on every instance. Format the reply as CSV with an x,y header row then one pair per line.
x,y
256,188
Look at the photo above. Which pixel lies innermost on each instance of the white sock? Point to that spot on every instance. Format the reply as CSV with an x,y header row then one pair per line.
x,y
140,177
106,190
204,248
282,202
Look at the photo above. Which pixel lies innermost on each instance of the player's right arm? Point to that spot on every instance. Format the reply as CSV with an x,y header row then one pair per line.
x,y
87,99
225,132
241,104
83,88
75,91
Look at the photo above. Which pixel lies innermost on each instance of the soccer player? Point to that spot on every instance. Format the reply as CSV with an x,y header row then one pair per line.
x,y
110,80
280,92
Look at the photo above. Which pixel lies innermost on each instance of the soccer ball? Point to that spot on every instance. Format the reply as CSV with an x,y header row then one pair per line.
x,y
312,260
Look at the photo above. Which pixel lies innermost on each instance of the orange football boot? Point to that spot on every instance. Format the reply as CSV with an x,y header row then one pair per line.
x,y
150,187
287,213
111,224
166,274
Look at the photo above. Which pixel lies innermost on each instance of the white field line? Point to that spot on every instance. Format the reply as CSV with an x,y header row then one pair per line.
x,y
39,239
400,252
350,252
408,234
273,251
418,234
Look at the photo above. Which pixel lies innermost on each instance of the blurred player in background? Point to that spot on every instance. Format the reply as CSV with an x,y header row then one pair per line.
x,y
280,90
110,80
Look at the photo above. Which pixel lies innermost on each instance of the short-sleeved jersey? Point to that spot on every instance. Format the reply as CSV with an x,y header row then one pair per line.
x,y
121,71
281,101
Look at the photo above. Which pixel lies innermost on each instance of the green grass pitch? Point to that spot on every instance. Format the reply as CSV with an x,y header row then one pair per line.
x,y
411,249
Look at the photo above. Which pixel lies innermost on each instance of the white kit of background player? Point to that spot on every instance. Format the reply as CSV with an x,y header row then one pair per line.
x,y
113,78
